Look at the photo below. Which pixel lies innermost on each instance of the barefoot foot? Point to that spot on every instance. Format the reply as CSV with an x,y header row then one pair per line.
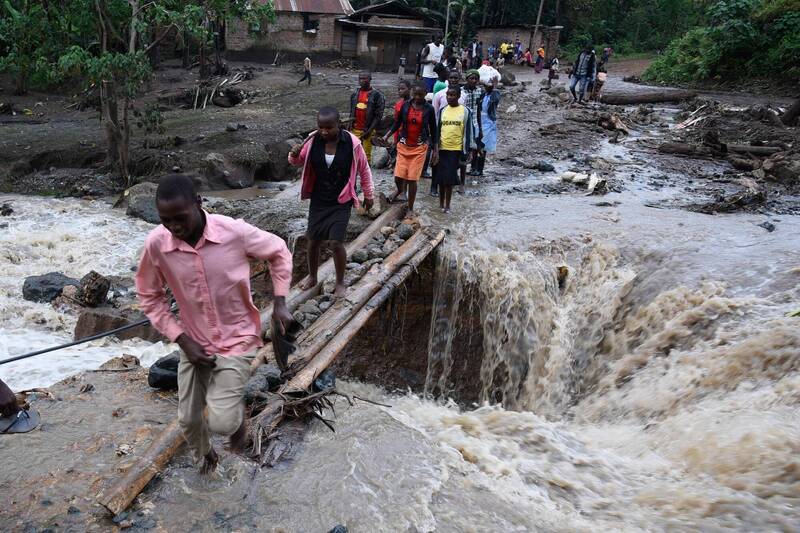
x,y
210,462
308,283
238,440
339,291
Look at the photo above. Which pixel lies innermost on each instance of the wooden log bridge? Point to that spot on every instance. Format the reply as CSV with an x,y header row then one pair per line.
x,y
317,348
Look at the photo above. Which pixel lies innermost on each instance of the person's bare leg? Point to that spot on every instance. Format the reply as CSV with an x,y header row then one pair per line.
x,y
462,178
400,183
210,462
442,189
340,263
239,437
313,264
412,195
447,197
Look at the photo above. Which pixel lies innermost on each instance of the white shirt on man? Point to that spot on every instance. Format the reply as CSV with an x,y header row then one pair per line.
x,y
435,55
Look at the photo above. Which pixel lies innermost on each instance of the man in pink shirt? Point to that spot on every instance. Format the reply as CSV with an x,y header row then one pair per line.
x,y
204,259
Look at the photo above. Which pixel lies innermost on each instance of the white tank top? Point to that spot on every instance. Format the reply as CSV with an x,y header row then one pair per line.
x,y
435,55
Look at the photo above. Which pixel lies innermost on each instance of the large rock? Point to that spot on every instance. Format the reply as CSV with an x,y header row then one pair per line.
x,y
783,167
277,167
163,374
380,157
142,202
46,288
102,319
507,77
218,170
94,289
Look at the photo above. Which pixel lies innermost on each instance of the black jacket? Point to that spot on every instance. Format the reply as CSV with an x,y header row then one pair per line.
x,y
375,105
428,119
590,71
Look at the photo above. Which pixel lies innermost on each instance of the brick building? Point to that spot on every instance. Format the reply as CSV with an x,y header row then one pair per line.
x,y
547,37
377,35
301,27
380,34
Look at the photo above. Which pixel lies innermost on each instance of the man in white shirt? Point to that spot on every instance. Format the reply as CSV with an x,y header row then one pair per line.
x,y
431,56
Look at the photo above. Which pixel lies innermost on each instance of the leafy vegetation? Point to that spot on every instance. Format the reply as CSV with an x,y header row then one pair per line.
x,y
740,39
109,44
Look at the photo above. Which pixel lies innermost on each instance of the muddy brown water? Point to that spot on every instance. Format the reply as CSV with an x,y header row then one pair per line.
x,y
654,387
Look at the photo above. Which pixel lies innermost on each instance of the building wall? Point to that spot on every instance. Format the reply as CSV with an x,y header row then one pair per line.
x,y
392,21
286,34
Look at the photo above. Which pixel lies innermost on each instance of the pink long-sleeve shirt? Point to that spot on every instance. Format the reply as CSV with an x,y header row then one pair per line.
x,y
211,283
360,168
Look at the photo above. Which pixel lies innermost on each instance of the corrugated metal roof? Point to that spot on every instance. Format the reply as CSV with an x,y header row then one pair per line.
x,y
334,7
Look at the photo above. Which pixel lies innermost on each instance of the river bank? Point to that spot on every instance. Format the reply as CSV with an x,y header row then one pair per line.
x,y
617,361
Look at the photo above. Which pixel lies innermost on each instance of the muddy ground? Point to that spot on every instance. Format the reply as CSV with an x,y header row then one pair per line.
x,y
57,150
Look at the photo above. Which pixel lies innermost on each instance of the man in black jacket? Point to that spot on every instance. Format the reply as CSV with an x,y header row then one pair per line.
x,y
583,71
366,111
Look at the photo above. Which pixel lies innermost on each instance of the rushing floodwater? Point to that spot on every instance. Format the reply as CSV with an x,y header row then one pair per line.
x,y
69,236
655,388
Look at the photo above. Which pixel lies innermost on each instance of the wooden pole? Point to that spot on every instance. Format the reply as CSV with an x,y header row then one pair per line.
x,y
298,297
647,97
265,423
536,27
324,328
119,496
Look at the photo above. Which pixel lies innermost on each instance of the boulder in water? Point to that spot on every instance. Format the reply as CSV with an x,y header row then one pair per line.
x,y
142,202
46,288
94,289
100,319
163,374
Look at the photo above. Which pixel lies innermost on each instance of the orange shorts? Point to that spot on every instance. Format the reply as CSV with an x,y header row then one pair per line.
x,y
410,160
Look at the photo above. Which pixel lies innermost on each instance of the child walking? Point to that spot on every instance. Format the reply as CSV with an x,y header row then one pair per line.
x,y
417,126
403,96
456,132
331,159
488,123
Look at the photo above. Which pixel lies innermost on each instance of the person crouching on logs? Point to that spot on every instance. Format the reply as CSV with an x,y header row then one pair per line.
x,y
331,159
204,259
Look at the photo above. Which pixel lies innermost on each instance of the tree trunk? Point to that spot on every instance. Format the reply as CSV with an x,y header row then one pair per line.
x,y
649,97
298,297
313,339
119,496
485,13
265,423
186,50
339,319
685,149
461,27
790,117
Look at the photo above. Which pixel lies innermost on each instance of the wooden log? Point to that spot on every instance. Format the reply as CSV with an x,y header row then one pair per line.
x,y
754,150
119,496
685,149
324,328
647,97
298,297
266,423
